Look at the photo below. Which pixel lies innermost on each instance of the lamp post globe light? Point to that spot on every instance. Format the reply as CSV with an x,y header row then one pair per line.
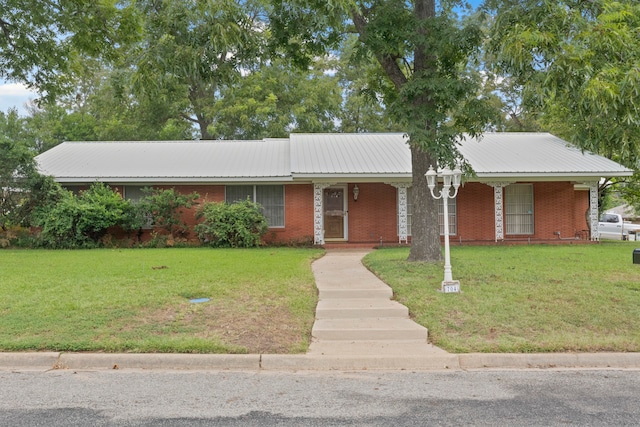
x,y
449,178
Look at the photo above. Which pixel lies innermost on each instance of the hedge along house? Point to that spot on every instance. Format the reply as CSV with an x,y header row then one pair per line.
x,y
356,188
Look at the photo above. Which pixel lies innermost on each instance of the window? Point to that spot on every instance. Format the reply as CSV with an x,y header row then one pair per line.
x,y
75,189
270,197
609,218
134,194
453,224
518,208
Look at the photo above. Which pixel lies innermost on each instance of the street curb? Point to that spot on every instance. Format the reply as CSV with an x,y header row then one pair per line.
x,y
305,362
549,360
159,361
31,360
276,362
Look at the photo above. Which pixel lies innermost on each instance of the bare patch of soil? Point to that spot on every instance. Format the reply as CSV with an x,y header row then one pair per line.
x,y
259,326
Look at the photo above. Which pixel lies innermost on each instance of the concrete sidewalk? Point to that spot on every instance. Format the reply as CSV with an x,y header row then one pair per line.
x,y
358,327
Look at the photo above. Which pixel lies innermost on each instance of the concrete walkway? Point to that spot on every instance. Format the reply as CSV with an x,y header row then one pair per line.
x,y
356,317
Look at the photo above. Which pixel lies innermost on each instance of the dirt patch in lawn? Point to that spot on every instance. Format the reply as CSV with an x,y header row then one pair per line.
x,y
259,326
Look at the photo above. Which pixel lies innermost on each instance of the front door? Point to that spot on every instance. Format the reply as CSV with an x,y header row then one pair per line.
x,y
334,213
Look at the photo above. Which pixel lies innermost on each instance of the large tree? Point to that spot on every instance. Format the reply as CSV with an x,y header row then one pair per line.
x,y
363,84
278,99
578,63
41,42
192,50
16,168
424,52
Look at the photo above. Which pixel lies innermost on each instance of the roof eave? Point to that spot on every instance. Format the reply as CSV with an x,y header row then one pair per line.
x,y
171,180
352,177
548,176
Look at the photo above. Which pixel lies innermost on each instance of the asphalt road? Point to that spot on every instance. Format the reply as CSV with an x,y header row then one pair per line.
x,y
175,398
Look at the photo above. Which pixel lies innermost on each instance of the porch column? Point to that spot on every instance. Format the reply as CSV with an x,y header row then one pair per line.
x,y
403,233
593,210
497,203
318,212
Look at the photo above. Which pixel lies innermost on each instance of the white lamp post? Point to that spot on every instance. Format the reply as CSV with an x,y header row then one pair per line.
x,y
449,178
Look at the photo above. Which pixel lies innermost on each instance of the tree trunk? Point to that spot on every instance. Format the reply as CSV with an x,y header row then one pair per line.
x,y
203,124
425,229
199,96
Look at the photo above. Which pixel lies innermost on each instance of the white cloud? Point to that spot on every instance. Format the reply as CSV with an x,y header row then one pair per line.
x,y
15,95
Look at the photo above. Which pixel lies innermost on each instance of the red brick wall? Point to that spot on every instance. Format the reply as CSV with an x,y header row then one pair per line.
x,y
208,193
553,204
557,207
298,210
475,209
374,215
298,215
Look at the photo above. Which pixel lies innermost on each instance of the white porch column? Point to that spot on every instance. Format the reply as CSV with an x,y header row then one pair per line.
x,y
403,232
593,210
318,212
498,211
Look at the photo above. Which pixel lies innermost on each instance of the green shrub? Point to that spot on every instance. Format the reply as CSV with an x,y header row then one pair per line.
x,y
16,236
236,225
134,220
164,207
81,221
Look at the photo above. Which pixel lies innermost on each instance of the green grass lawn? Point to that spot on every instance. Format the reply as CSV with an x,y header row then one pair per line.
x,y
514,299
523,298
261,300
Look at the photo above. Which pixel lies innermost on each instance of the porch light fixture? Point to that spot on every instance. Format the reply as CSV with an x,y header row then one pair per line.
x,y
356,193
449,178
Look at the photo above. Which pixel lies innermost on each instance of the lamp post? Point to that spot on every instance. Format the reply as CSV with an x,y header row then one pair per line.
x,y
449,178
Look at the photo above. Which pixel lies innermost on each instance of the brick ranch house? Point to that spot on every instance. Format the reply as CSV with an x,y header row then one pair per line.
x,y
356,188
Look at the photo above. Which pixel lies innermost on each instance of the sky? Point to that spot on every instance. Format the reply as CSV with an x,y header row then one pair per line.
x,y
16,95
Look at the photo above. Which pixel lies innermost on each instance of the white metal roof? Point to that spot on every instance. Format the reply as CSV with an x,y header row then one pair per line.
x,y
164,161
305,157
534,155
362,155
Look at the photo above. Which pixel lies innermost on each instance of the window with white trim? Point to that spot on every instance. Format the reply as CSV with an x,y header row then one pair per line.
x,y
453,223
270,198
518,209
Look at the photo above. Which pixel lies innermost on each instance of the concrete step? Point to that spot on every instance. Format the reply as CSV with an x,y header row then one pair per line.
x,y
351,293
350,308
388,348
378,329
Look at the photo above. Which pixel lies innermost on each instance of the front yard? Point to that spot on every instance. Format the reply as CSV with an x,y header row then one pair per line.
x,y
138,300
514,299
523,298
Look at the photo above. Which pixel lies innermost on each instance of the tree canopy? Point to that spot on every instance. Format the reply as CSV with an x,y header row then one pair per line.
x,y
424,52
41,43
226,69
578,63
